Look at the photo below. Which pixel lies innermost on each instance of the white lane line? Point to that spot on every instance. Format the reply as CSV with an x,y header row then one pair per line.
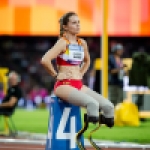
x,y
20,148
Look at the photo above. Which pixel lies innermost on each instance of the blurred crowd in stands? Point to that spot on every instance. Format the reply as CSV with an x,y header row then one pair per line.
x,y
23,55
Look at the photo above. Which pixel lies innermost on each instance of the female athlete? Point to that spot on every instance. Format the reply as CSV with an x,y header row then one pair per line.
x,y
72,57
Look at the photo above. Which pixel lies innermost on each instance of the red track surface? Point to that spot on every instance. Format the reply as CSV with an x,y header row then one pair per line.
x,y
8,146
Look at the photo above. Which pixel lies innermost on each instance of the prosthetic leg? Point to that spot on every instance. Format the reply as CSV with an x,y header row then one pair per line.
x,y
87,120
79,134
109,122
96,147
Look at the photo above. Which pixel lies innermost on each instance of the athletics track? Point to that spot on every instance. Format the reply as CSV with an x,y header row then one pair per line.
x,y
27,144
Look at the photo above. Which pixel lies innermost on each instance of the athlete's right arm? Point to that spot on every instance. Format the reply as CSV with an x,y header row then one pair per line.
x,y
52,54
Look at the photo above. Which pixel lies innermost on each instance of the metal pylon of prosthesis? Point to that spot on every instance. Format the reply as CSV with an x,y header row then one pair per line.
x,y
82,131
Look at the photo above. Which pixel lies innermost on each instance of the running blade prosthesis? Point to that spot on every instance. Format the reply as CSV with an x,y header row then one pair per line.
x,y
79,134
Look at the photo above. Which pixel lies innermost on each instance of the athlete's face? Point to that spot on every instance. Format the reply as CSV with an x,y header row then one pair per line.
x,y
73,25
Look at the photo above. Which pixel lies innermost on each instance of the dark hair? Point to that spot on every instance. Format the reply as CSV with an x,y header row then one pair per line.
x,y
64,21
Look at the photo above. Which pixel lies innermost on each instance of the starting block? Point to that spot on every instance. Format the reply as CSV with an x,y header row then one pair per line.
x,y
63,124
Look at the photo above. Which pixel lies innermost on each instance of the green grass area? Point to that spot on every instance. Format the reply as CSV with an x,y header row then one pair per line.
x,y
37,121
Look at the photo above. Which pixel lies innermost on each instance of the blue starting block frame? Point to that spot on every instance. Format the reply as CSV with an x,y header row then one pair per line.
x,y
63,124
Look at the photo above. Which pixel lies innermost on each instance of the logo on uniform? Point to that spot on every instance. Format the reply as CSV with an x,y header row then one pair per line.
x,y
75,48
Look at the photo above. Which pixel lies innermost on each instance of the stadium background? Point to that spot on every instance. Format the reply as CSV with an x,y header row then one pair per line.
x,y
28,28
40,17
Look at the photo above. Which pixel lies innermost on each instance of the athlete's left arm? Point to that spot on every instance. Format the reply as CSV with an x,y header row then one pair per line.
x,y
86,61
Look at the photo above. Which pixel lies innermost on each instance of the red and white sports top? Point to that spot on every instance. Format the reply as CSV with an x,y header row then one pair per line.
x,y
73,55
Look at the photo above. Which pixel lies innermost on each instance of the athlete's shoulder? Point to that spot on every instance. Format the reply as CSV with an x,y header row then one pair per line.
x,y
60,44
82,41
61,41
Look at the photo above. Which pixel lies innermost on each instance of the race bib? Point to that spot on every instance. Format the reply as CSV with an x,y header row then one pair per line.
x,y
76,53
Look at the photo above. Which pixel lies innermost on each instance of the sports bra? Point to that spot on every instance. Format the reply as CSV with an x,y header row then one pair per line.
x,y
73,55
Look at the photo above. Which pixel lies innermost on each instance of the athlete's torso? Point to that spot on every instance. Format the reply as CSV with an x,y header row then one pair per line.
x,y
69,61
73,54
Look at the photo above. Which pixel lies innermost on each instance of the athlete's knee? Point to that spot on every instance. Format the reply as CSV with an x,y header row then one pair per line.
x,y
94,104
93,111
93,108
108,109
108,114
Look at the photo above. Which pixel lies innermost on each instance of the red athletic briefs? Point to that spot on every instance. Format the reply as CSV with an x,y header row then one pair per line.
x,y
72,82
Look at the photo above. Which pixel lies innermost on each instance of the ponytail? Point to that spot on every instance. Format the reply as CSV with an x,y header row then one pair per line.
x,y
61,27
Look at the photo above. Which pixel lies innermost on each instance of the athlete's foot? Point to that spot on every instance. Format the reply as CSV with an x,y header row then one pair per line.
x,y
109,122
